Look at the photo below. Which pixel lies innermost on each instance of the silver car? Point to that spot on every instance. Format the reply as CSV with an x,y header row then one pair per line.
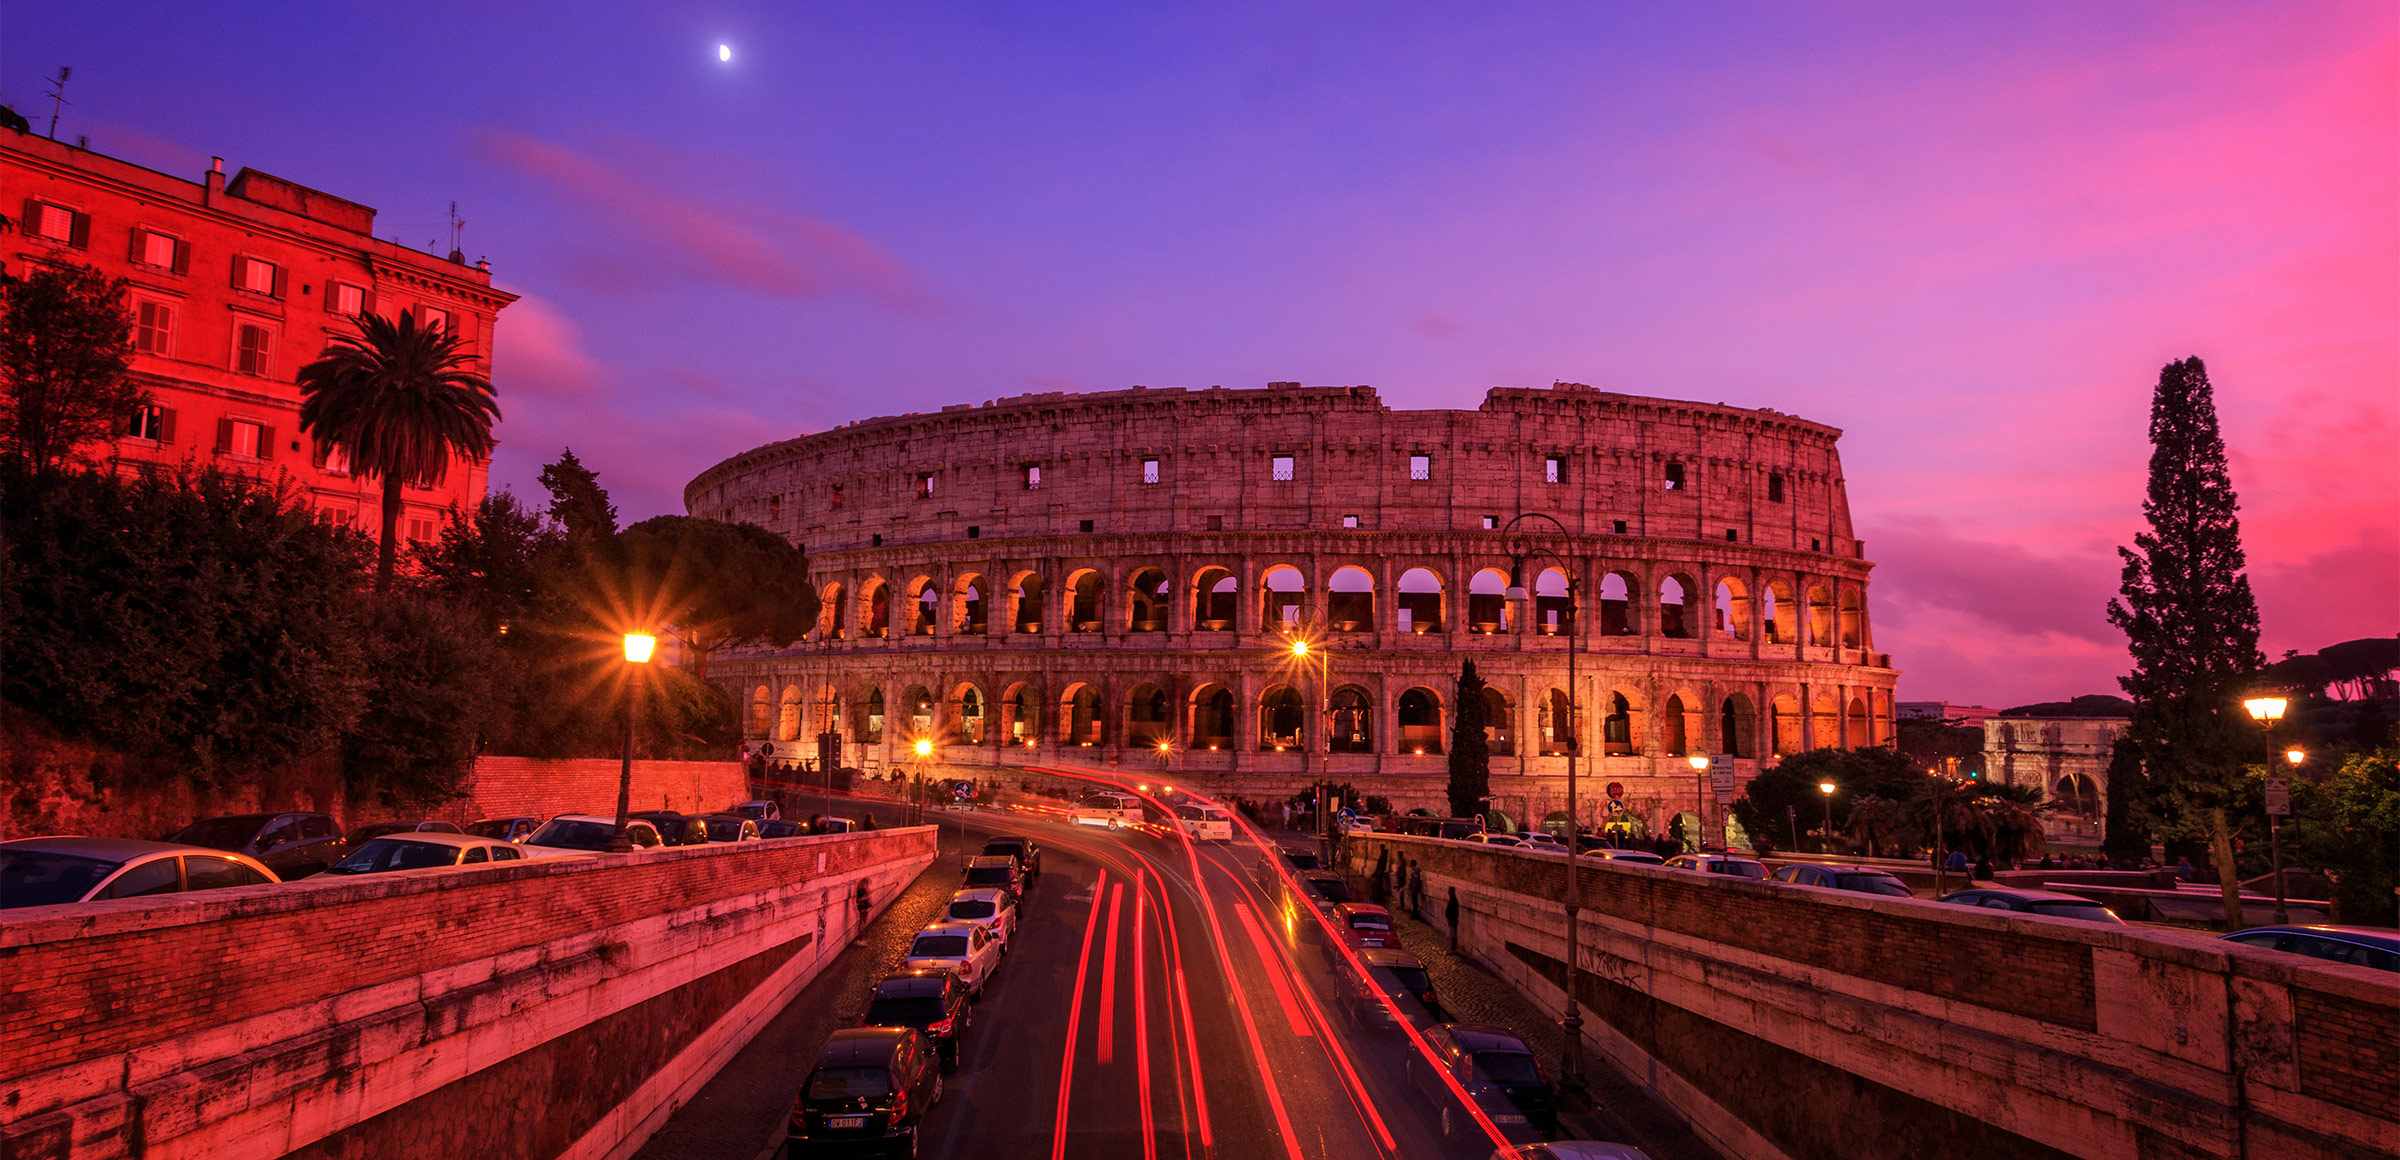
x,y
49,871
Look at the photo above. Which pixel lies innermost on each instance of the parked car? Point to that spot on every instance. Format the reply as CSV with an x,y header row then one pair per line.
x,y
293,845
1719,864
835,825
515,829
1539,840
1612,854
373,830
780,829
1365,924
727,828
758,811
674,829
1019,847
933,1002
1861,879
1399,975
1498,1072
995,870
871,1088
579,835
964,948
1300,859
425,851
2046,902
1493,839
49,871
2359,946
992,907
1329,888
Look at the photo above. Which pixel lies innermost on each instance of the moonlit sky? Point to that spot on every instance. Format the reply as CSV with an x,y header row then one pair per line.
x,y
1969,236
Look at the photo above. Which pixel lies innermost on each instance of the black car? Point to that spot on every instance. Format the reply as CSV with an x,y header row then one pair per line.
x,y
1022,849
781,829
1860,879
675,829
725,828
513,829
996,870
1330,888
1300,859
868,1093
2358,946
934,1002
1398,974
293,845
1498,1071
368,833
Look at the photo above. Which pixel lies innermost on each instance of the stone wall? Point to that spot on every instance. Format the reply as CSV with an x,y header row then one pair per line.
x,y
554,1008
509,786
1793,1022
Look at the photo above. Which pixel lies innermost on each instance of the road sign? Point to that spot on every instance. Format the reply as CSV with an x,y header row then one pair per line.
x,y
962,791
1615,807
2279,797
766,749
1721,780
1616,791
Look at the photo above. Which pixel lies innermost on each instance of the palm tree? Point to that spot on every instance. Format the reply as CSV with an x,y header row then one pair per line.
x,y
401,399
2014,814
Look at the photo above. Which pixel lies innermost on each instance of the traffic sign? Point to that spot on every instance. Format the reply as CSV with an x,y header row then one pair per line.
x,y
1721,780
1615,807
1616,791
2279,797
962,791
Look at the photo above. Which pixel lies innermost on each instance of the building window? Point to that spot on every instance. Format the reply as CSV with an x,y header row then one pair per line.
x,y
420,530
1814,545
57,223
160,251
1087,525
1674,477
1775,487
876,540
1033,477
1216,523
333,458
1620,527
1349,521
1554,469
1420,467
152,422
1491,523
254,350
349,301
1149,471
243,438
834,500
432,479
154,329
774,507
1283,469
924,485
257,275
1733,536
432,318
974,532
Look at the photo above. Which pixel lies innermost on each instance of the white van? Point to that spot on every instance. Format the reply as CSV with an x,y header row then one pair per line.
x,y
1205,823
1110,809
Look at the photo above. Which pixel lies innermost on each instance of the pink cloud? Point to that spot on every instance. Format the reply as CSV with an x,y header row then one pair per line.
x,y
540,353
1436,326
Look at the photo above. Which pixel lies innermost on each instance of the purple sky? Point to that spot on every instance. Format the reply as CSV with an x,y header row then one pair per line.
x,y
1968,238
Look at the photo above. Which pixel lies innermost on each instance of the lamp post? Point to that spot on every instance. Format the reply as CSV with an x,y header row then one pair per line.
x,y
1521,550
1699,764
1826,788
2267,711
924,751
638,646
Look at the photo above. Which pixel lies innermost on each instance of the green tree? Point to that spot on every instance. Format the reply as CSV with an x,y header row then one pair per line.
x,y
2012,817
578,504
1793,781
495,561
712,584
65,342
1470,755
403,400
2125,837
436,669
2349,827
2191,625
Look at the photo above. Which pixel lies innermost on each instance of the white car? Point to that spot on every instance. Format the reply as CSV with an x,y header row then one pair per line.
x,y
1493,839
49,871
583,835
425,851
1105,808
993,908
965,949
1205,823
1540,840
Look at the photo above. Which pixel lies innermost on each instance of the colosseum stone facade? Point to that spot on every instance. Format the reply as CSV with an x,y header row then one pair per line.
x,y
1113,580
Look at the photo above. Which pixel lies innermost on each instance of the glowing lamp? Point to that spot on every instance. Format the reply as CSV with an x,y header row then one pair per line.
x,y
1299,648
1825,787
924,747
2295,756
638,646
1698,761
2267,709
1139,787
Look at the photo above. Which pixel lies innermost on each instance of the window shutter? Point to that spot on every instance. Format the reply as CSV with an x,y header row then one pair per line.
x,y
166,425
133,253
79,231
266,442
277,292
366,301
183,256
316,459
31,223
224,436
237,271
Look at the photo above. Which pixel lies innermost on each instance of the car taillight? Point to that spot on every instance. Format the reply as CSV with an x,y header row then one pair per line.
x,y
938,1027
899,1107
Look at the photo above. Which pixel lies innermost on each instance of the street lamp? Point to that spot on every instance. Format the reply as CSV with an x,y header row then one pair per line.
x,y
1826,788
2267,711
638,647
924,752
1521,550
1699,764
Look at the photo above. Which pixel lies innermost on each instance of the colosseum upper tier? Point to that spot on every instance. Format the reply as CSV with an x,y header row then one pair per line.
x,y
1116,579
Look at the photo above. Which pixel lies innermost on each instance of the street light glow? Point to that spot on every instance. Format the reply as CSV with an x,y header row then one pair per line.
x,y
924,747
1299,648
2295,755
1698,761
2266,708
638,646
1825,787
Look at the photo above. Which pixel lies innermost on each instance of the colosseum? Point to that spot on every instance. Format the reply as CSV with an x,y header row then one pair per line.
x,y
1114,580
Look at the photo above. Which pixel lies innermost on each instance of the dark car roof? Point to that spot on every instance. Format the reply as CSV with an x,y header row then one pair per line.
x,y
2023,895
915,984
1853,870
2385,939
863,1046
105,849
980,862
1389,957
1481,1037
1009,840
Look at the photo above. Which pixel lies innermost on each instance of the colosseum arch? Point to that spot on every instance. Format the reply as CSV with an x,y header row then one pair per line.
x,y
969,714
1732,609
1214,593
1149,722
1499,723
1353,720
1212,717
924,605
973,613
1862,729
1420,718
1021,714
828,715
1350,600
870,714
916,709
1553,609
1025,603
1617,607
1820,617
1676,736
1087,599
1854,622
1736,734
1419,602
1787,739
1488,610
758,712
1780,616
787,722
833,613
1678,612
1825,721
1282,719
1621,729
1284,599
1146,603
1557,723
1082,720
2076,794
875,609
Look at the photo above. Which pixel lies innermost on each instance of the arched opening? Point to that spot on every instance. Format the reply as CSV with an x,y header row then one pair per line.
x,y
1021,715
1674,619
1213,596
1487,603
1820,617
971,715
1854,622
1147,723
1787,726
1285,594
1351,605
1734,730
871,731
1084,598
1420,721
1028,612
1080,717
1420,601
833,622
1212,718
1557,723
828,716
1621,730
924,608
1616,604
2077,794
1780,616
972,618
1825,723
1281,716
787,723
917,702
758,712
1862,732
1499,723
875,611
1353,720
1553,612
1149,601
1672,737
1732,609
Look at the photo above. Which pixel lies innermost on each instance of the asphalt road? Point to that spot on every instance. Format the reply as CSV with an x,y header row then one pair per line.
x,y
1164,998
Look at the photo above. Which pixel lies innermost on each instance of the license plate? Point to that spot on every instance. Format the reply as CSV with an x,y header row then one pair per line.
x,y
848,1121
1508,1119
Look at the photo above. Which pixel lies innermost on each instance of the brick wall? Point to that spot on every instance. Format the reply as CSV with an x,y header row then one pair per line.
x,y
367,1012
508,786
1791,1022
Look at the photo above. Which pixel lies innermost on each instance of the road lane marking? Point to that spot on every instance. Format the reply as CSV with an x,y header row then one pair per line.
x,y
1066,1064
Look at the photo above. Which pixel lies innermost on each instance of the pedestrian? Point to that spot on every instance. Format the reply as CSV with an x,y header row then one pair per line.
x,y
1958,862
2185,871
869,824
1983,868
1450,915
1383,869
2049,863
1416,889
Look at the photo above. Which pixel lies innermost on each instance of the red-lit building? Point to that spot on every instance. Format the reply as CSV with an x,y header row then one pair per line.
x,y
234,286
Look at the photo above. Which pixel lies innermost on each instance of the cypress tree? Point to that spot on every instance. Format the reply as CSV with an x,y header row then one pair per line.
x,y
1470,757
2192,627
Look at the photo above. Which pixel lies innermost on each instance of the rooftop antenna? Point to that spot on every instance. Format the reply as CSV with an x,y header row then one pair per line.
x,y
58,97
456,255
